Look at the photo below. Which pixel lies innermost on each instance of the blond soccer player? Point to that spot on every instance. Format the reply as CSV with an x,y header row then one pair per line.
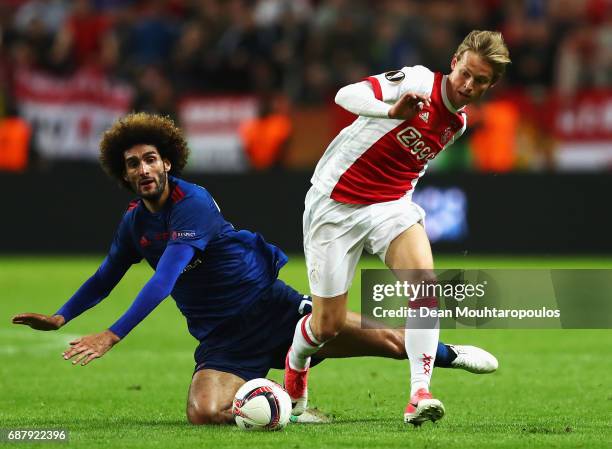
x,y
361,199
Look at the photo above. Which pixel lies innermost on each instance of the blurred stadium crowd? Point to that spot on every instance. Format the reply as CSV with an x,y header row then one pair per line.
x,y
299,52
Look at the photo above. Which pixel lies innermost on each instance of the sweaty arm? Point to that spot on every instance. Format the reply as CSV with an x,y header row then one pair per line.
x,y
95,289
171,264
359,99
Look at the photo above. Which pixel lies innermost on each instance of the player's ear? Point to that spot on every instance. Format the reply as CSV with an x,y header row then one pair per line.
x,y
494,81
453,62
493,84
167,165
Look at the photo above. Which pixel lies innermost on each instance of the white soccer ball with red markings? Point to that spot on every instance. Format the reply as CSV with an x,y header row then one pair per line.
x,y
261,404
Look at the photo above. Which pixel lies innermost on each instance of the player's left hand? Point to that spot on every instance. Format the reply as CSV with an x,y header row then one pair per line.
x,y
91,347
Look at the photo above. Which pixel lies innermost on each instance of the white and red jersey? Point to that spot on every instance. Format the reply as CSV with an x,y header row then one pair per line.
x,y
379,159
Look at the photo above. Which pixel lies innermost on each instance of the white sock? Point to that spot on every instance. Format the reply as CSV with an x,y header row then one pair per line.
x,y
304,345
421,342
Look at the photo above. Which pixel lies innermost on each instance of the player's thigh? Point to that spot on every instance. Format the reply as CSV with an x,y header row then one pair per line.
x,y
210,396
410,250
397,235
365,338
334,235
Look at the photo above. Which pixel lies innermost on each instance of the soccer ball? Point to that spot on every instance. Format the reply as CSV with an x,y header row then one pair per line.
x,y
261,404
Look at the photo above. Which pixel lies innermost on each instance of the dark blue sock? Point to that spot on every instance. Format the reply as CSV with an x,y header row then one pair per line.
x,y
444,356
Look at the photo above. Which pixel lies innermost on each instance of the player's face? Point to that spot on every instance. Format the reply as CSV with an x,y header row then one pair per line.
x,y
146,171
471,76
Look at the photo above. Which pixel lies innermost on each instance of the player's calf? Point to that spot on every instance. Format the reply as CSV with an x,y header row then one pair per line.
x,y
468,358
311,332
297,364
328,323
393,340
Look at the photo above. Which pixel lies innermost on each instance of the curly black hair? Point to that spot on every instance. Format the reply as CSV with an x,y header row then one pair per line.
x,y
141,128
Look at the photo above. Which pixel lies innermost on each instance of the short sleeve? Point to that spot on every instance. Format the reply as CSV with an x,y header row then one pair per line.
x,y
390,86
122,249
195,220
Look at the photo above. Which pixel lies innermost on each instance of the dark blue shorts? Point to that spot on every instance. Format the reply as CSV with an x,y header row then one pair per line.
x,y
257,338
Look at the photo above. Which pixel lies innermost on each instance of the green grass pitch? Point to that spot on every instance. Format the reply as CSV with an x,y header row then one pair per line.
x,y
553,388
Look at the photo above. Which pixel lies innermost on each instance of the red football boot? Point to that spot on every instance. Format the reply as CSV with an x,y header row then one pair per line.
x,y
423,407
296,384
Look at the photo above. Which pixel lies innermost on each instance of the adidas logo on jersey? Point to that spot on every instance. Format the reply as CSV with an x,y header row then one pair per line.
x,y
424,116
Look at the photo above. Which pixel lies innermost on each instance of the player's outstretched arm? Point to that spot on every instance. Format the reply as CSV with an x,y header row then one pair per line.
x,y
170,266
94,290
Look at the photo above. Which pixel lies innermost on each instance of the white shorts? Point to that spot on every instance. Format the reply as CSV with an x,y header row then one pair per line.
x,y
335,234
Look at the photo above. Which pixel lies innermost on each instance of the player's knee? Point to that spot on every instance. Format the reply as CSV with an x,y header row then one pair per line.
x,y
329,327
202,414
327,333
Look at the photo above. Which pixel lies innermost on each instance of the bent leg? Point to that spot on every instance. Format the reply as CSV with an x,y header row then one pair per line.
x,y
311,333
353,341
313,330
328,316
376,341
210,397
411,251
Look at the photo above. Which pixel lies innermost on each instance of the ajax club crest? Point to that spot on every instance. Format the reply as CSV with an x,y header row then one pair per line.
x,y
446,135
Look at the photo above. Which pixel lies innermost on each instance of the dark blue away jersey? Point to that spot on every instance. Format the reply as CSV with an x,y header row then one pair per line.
x,y
230,268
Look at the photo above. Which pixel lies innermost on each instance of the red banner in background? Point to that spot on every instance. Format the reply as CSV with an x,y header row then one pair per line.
x,y
583,130
211,126
69,114
586,117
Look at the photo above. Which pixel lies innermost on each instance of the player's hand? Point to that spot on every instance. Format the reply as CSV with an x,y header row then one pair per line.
x,y
408,106
39,322
91,347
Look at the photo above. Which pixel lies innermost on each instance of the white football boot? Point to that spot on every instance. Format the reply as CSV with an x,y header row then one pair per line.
x,y
473,359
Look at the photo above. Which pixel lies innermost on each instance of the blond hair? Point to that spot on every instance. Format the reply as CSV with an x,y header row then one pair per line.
x,y
490,46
